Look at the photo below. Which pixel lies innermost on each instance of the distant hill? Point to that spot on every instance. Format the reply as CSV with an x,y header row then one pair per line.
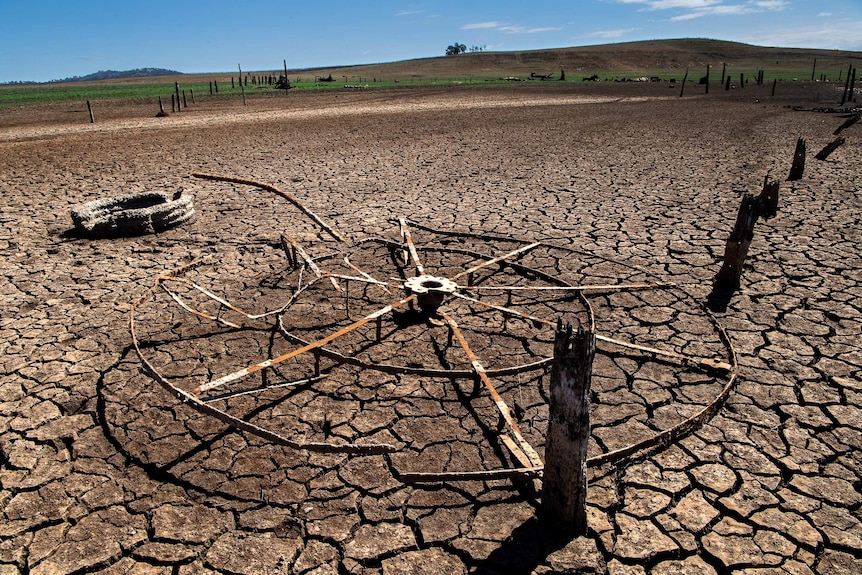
x,y
644,58
114,75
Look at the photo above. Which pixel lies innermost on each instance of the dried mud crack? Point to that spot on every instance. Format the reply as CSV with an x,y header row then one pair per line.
x,y
103,471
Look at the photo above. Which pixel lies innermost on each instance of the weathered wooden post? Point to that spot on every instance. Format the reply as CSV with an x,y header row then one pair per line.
x,y
774,83
798,167
849,122
193,95
723,70
90,110
684,78
707,79
829,148
846,85
736,249
242,89
173,104
851,93
211,88
564,489
185,102
768,199
813,68
727,83
215,85
728,278
742,79
161,113
177,89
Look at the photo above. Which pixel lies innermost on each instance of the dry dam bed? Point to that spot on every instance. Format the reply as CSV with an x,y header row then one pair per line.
x,y
105,472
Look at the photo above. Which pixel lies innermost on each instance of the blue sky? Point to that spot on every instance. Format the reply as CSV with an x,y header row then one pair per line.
x,y
43,40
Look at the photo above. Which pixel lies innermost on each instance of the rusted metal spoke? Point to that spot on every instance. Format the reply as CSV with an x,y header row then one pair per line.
x,y
174,296
355,268
494,260
704,362
586,287
326,227
230,395
408,239
521,473
523,451
314,345
506,310
309,261
241,424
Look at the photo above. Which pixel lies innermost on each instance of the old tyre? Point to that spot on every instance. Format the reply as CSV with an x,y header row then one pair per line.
x,y
134,214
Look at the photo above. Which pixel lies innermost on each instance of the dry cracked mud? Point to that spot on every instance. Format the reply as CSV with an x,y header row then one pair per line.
x,y
104,471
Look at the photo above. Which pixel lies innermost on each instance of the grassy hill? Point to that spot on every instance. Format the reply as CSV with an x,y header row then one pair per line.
x,y
648,58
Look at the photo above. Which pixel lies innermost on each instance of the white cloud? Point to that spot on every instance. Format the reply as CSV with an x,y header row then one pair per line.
x,y
509,28
524,30
612,33
700,8
480,25
410,12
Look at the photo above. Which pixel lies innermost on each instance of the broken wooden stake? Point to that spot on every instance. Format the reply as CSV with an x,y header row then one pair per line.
x,y
798,166
849,122
829,148
767,201
564,489
727,280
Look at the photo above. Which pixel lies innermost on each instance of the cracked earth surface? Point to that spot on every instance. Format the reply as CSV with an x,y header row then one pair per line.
x,y
104,472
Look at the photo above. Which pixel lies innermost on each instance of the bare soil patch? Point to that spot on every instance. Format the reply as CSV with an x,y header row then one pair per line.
x,y
103,471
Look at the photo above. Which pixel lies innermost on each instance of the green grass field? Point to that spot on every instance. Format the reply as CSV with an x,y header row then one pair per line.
x,y
664,59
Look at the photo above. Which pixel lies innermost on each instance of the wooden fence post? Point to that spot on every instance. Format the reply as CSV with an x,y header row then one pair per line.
x,y
161,113
177,89
185,102
846,85
173,105
727,83
215,84
564,489
774,83
742,80
684,78
242,89
798,167
90,110
211,88
193,95
707,79
723,70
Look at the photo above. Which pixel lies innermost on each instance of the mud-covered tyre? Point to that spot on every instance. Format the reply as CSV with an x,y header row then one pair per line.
x,y
134,214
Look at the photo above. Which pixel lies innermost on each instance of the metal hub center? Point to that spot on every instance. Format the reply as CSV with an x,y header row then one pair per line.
x,y
430,290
